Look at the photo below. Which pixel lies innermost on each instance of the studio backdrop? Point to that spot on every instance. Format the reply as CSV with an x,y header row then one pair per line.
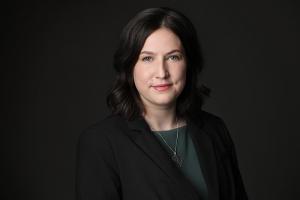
x,y
57,68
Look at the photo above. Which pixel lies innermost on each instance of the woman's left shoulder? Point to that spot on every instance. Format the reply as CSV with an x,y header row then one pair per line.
x,y
210,119
215,126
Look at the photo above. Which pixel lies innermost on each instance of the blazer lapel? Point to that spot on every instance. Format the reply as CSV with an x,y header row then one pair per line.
x,y
141,134
206,155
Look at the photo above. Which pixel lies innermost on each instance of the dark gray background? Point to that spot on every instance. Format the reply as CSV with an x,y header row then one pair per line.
x,y
57,65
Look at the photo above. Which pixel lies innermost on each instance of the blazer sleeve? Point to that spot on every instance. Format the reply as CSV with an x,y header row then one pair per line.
x,y
240,192
96,168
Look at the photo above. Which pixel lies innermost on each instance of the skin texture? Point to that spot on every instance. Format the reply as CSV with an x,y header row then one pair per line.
x,y
161,61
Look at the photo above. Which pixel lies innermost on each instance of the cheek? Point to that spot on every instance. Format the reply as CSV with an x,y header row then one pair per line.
x,y
180,79
183,74
180,75
140,77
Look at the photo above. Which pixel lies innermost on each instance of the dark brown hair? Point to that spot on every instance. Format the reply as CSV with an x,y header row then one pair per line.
x,y
123,98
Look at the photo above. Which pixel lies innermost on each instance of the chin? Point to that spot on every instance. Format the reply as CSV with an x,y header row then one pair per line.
x,y
165,101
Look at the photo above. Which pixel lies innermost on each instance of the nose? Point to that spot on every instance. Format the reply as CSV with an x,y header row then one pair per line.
x,y
162,69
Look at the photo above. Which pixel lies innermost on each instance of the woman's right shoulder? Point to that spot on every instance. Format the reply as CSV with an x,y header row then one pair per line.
x,y
109,125
97,140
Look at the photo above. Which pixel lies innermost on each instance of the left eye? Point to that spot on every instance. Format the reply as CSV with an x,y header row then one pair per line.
x,y
174,57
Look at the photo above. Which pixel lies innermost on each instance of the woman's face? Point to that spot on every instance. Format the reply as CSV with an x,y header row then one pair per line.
x,y
160,72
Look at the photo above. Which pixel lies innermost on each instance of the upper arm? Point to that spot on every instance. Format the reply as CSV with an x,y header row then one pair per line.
x,y
96,168
230,148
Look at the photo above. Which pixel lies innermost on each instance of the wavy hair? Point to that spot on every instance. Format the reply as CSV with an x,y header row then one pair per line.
x,y
123,98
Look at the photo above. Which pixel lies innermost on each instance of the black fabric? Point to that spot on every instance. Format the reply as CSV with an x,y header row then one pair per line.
x,y
120,159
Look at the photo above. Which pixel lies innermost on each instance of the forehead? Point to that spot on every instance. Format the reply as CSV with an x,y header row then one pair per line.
x,y
162,40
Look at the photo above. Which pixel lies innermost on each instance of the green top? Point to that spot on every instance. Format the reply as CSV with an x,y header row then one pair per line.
x,y
186,150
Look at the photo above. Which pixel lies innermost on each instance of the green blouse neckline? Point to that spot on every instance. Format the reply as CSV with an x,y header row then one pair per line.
x,y
171,131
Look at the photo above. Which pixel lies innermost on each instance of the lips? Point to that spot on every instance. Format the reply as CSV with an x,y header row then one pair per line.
x,y
162,87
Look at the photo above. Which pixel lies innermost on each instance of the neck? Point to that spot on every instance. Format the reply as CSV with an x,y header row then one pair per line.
x,y
162,119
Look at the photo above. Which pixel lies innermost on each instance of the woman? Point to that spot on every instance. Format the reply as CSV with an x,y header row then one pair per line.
x,y
158,143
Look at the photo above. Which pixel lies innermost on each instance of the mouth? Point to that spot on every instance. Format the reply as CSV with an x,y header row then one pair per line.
x,y
162,87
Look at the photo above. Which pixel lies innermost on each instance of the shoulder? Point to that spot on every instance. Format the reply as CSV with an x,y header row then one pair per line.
x,y
208,120
215,127
102,129
108,123
94,148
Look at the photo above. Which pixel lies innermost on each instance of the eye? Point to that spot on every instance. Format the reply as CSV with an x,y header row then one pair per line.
x,y
175,57
147,58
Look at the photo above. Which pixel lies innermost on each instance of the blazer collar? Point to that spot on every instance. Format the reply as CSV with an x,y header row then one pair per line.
x,y
141,134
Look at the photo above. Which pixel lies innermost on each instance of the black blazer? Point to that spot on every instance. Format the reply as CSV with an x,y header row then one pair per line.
x,y
119,159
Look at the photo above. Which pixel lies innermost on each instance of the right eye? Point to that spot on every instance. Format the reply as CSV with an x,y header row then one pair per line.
x,y
147,58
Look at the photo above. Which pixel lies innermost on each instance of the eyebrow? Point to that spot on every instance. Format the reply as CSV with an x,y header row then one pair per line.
x,y
150,52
